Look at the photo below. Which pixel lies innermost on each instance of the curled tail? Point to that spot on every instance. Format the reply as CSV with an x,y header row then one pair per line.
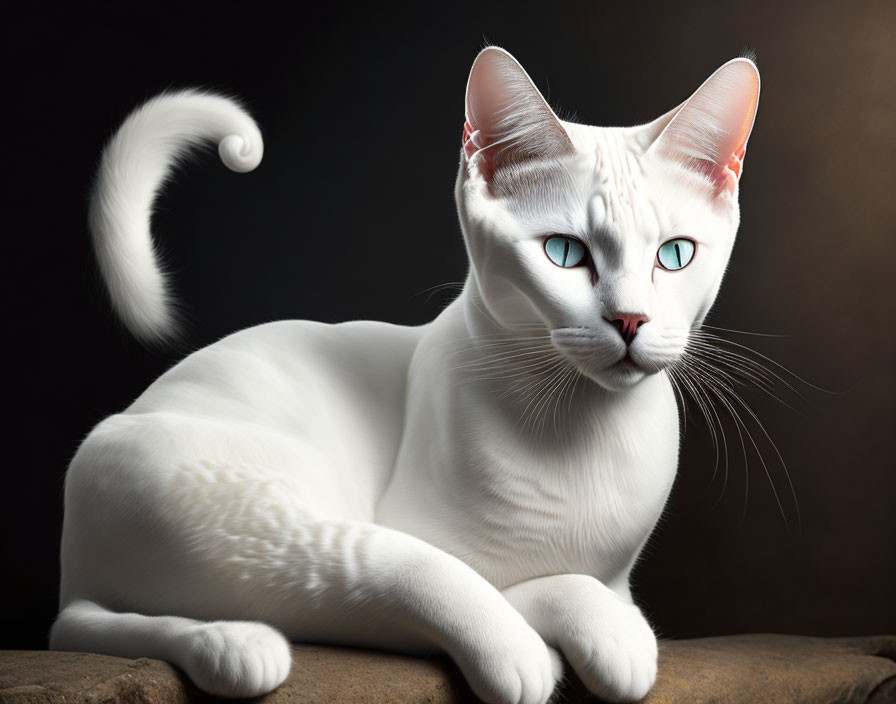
x,y
135,165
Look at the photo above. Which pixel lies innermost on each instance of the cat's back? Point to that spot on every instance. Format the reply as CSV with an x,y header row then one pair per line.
x,y
317,406
275,373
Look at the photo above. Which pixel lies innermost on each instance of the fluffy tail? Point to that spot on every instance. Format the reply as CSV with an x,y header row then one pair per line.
x,y
135,165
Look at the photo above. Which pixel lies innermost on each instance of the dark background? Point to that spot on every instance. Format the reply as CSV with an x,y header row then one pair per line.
x,y
351,215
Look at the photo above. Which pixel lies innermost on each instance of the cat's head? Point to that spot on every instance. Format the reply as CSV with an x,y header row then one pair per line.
x,y
615,239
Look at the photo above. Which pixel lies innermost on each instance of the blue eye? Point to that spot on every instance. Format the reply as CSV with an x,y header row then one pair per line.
x,y
676,254
564,251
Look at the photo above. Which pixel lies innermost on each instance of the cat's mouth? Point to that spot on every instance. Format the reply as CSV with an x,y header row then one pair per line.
x,y
599,357
628,363
627,368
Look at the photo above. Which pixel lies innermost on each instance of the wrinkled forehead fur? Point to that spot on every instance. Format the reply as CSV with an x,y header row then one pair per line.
x,y
622,192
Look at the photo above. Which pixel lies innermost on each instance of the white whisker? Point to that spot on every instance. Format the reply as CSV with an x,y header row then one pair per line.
x,y
723,390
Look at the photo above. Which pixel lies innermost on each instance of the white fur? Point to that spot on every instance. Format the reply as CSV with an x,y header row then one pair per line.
x,y
480,485
135,164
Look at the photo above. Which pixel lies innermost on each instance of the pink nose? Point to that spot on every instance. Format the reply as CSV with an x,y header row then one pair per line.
x,y
627,324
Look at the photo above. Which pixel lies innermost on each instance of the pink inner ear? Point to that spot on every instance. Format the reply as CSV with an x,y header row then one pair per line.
x,y
469,147
709,132
736,162
507,120
735,165
731,172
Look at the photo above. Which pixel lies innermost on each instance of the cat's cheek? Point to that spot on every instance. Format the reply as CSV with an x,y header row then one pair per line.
x,y
685,296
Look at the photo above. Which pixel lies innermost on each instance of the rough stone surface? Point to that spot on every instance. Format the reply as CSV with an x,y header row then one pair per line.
x,y
746,669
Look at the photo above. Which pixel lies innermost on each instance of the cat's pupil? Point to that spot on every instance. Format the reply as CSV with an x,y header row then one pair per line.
x,y
676,254
564,251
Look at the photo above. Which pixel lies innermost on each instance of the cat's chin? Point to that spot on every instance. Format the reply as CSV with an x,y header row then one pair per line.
x,y
620,376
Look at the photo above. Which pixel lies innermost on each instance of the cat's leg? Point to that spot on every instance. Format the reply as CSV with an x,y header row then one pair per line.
x,y
352,582
201,523
321,581
225,658
604,636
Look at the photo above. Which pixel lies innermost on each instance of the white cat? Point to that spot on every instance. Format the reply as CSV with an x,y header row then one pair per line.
x,y
480,485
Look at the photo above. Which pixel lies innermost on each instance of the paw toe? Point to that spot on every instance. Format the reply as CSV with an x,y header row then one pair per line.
x,y
236,659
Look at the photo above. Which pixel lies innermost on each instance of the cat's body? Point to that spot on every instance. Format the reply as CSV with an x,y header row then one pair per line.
x,y
518,497
480,485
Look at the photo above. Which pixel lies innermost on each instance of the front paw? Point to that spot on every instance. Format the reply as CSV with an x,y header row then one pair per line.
x,y
611,646
510,665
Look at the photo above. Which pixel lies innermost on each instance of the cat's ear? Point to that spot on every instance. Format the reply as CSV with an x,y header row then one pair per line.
x,y
708,133
507,119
